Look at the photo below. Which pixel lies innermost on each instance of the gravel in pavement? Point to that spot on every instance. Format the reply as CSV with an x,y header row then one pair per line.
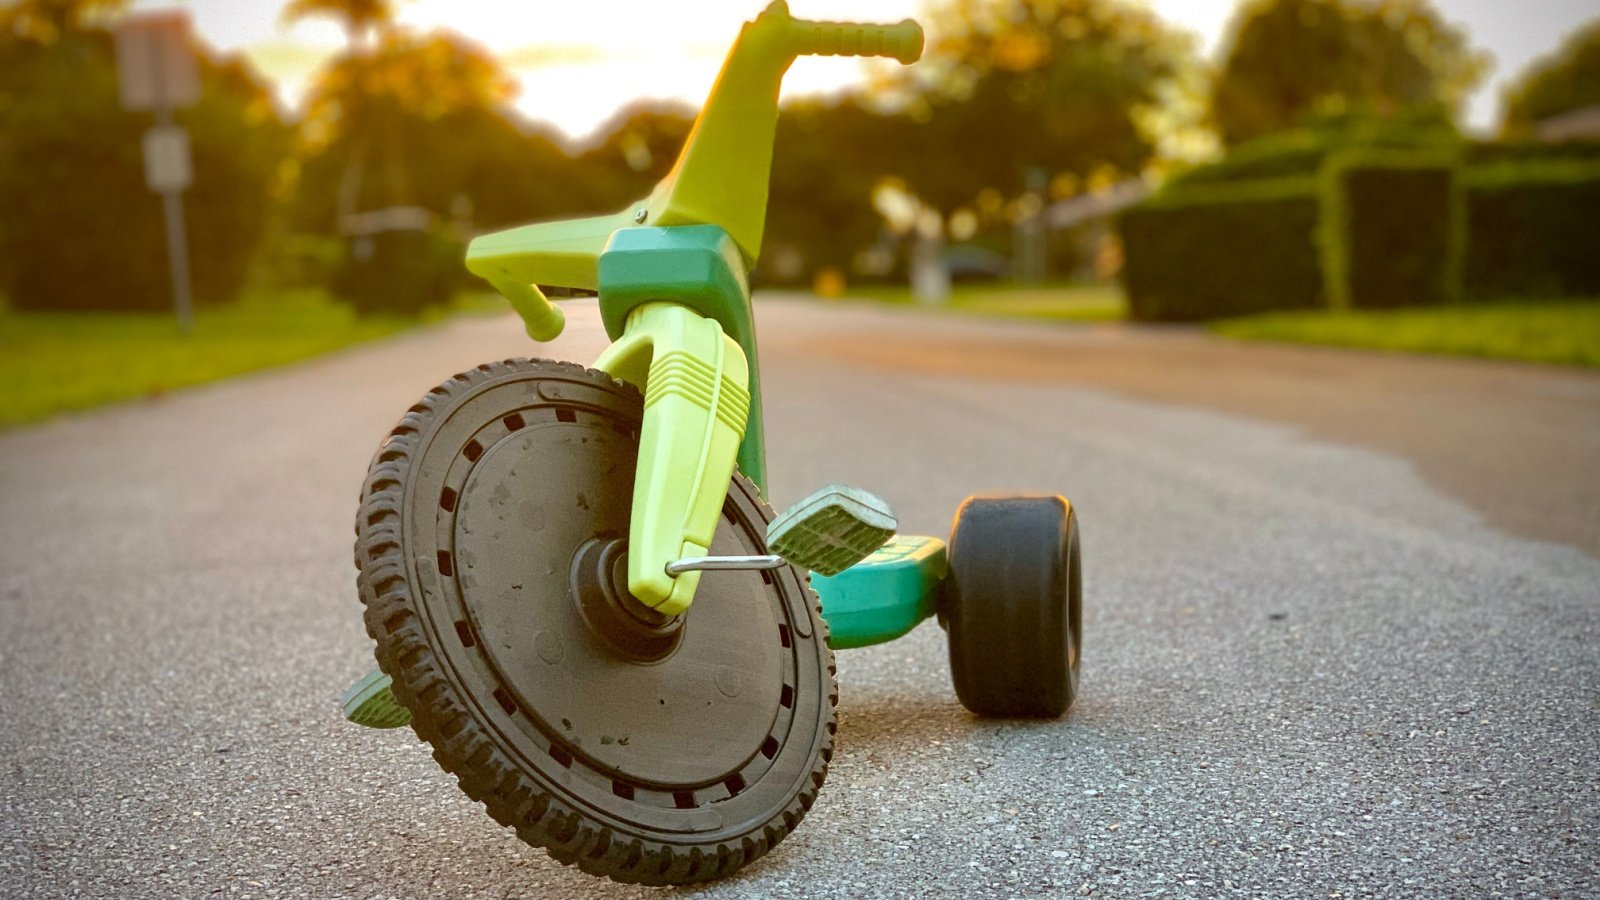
x,y
1306,673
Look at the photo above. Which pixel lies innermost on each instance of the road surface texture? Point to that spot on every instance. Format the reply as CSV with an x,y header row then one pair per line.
x,y
1343,628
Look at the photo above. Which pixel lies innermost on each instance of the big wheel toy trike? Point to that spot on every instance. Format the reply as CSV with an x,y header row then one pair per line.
x,y
579,596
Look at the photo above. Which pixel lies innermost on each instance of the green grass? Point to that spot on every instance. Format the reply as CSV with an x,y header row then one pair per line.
x,y
1059,302
1562,332
56,362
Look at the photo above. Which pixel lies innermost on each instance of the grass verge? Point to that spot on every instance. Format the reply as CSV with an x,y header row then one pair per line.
x,y
56,362
1060,302
1560,332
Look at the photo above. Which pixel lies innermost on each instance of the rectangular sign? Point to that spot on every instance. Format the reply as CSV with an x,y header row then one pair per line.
x,y
156,67
166,159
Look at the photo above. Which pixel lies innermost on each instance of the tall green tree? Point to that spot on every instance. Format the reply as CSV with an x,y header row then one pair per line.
x,y
46,21
829,156
1290,59
436,107
1014,90
637,148
80,229
360,18
1566,80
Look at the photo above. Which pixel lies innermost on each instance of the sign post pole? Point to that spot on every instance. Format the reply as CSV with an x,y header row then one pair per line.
x,y
177,240
156,71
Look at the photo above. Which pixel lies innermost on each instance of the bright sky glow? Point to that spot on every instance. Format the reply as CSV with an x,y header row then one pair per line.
x,y
578,62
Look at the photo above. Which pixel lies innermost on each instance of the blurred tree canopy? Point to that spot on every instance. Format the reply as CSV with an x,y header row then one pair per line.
x,y
359,17
1292,58
422,121
828,157
81,230
1014,99
1012,90
425,119
638,147
1562,82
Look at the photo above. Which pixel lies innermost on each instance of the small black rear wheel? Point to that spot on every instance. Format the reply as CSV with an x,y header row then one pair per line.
x,y
1012,605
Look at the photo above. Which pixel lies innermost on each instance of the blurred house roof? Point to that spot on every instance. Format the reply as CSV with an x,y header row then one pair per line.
x,y
390,218
1579,123
1097,205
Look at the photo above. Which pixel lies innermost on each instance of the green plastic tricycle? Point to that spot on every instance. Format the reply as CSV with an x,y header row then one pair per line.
x,y
578,593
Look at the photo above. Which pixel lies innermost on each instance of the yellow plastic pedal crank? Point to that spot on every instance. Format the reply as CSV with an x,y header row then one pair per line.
x,y
696,399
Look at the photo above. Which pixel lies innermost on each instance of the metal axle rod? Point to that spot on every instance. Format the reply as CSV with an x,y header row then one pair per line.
x,y
723,563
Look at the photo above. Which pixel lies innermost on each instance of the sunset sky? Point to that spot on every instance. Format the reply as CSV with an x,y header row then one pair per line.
x,y
578,62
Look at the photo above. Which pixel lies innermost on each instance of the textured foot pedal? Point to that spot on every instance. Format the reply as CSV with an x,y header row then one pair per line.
x,y
831,530
370,702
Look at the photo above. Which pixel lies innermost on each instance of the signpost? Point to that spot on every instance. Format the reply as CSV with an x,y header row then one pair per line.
x,y
1030,261
156,72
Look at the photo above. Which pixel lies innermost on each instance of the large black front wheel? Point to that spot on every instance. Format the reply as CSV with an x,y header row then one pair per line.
x,y
491,544
1013,606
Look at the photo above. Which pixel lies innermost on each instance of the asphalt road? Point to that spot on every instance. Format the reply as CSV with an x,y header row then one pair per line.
x,y
1335,647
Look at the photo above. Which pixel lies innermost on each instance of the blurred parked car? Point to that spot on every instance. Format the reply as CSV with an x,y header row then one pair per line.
x,y
970,263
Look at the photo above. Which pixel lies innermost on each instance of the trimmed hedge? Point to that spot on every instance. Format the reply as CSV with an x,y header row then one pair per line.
x,y
1303,152
1391,231
78,228
1224,250
1536,154
1533,231
1275,156
1376,228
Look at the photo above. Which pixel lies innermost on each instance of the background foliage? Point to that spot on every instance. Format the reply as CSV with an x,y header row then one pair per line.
x,y
1567,80
1390,230
1018,103
82,231
1532,230
1214,251
1380,227
1292,58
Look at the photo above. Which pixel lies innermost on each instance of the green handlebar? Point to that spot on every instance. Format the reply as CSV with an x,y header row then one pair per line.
x,y
721,176
543,320
902,41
